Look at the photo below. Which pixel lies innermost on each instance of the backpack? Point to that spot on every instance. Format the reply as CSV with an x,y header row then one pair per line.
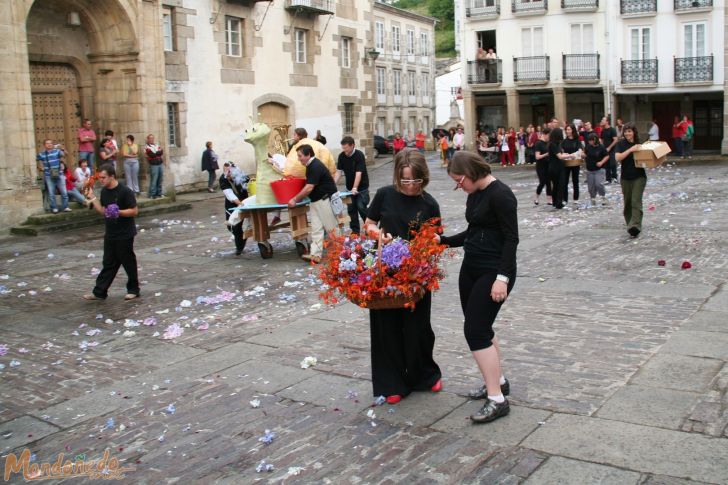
x,y
690,132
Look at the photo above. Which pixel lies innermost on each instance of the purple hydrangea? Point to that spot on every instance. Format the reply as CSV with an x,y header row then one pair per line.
x,y
395,252
111,211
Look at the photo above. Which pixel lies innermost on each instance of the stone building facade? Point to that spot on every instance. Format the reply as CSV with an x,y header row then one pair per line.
x,y
188,71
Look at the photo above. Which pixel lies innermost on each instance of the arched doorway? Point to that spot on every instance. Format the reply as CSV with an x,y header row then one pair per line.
x,y
275,115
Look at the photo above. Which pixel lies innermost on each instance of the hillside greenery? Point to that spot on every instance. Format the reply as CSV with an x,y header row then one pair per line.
x,y
444,12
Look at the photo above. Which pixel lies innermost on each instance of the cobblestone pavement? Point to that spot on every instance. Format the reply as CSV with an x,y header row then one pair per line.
x,y
617,364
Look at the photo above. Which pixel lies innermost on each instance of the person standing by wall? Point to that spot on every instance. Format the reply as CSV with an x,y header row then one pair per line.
x,y
319,188
677,137
654,132
633,180
353,165
108,152
210,165
49,161
459,139
320,138
154,155
130,154
119,206
86,138
488,272
686,126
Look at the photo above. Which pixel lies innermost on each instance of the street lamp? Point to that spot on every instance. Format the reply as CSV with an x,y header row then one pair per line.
x,y
372,54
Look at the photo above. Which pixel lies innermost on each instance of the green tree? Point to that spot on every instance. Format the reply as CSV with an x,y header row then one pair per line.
x,y
444,11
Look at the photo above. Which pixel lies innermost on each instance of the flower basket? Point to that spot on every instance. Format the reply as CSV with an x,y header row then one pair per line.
x,y
381,276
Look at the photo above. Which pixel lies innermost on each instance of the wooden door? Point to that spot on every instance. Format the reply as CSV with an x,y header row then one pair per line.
x,y
56,106
275,115
541,114
664,112
708,124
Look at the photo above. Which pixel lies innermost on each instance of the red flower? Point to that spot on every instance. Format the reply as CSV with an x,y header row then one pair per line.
x,y
686,265
661,262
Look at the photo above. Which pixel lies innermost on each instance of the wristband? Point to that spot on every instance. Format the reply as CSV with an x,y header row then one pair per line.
x,y
505,279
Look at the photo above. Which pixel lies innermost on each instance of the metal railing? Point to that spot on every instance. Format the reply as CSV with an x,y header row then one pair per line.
x,y
520,6
688,4
693,69
489,71
580,67
327,6
637,6
642,71
479,8
535,68
579,4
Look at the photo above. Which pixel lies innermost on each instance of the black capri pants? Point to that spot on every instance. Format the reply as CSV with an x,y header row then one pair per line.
x,y
479,308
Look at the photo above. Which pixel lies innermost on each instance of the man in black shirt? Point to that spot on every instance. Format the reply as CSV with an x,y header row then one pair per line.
x,y
319,188
609,140
353,165
118,204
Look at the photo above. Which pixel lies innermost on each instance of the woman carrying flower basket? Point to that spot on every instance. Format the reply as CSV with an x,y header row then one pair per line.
x,y
488,272
402,338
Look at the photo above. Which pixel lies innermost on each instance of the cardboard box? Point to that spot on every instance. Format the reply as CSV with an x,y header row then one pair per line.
x,y
651,154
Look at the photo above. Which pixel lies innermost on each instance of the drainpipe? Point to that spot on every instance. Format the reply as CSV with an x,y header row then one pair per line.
x,y
607,67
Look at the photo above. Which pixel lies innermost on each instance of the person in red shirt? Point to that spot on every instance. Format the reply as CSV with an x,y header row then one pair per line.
x,y
71,189
511,146
678,132
86,139
398,143
420,141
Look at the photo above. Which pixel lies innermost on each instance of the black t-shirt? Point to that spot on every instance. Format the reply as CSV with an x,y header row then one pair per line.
x,y
594,154
323,183
629,171
237,189
398,213
542,147
491,239
555,163
570,145
350,166
608,135
122,227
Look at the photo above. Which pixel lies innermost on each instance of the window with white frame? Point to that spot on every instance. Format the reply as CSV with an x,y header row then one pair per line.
x,y
379,36
640,43
694,39
582,39
395,39
299,36
233,36
397,124
167,28
410,42
397,82
425,84
348,117
173,124
424,44
381,81
381,125
532,41
346,52
411,81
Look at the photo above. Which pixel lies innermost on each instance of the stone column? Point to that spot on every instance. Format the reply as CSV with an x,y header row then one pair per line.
x,y
560,104
513,108
470,116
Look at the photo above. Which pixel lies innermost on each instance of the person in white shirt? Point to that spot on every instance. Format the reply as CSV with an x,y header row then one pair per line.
x,y
654,131
82,173
459,139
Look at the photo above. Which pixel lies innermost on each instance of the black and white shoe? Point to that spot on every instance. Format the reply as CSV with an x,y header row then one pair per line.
x,y
482,392
491,411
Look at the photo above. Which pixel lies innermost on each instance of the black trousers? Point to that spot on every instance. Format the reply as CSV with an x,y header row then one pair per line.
x,y
117,254
611,167
573,173
543,178
402,345
479,308
237,231
556,177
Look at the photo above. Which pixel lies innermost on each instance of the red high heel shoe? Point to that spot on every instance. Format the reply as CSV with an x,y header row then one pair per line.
x,y
438,386
394,399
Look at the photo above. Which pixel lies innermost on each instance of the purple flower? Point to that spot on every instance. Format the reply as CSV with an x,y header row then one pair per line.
x,y
111,211
395,252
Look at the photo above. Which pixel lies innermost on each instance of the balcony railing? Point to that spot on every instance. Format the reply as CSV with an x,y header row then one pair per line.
x,y
529,7
690,4
531,69
317,7
581,67
642,71
481,9
579,5
489,71
693,69
627,7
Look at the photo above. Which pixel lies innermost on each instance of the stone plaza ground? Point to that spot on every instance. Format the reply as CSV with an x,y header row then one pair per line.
x,y
617,364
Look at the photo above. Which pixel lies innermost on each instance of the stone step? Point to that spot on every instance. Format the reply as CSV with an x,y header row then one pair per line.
x,y
86,218
80,212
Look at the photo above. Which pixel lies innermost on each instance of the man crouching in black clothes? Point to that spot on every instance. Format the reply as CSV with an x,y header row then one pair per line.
x,y
118,205
232,185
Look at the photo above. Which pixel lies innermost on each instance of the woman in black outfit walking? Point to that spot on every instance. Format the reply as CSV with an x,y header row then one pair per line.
x,y
556,167
571,145
402,339
488,272
633,179
541,155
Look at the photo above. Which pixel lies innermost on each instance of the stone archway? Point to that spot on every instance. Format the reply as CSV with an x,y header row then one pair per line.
x,y
276,111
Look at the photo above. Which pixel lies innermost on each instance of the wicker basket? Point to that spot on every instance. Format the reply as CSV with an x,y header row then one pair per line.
x,y
390,302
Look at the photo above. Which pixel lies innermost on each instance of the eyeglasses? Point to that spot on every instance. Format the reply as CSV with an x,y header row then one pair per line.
x,y
410,181
459,184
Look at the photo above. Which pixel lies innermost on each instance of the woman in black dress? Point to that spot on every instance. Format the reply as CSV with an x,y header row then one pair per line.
x,y
487,274
402,339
